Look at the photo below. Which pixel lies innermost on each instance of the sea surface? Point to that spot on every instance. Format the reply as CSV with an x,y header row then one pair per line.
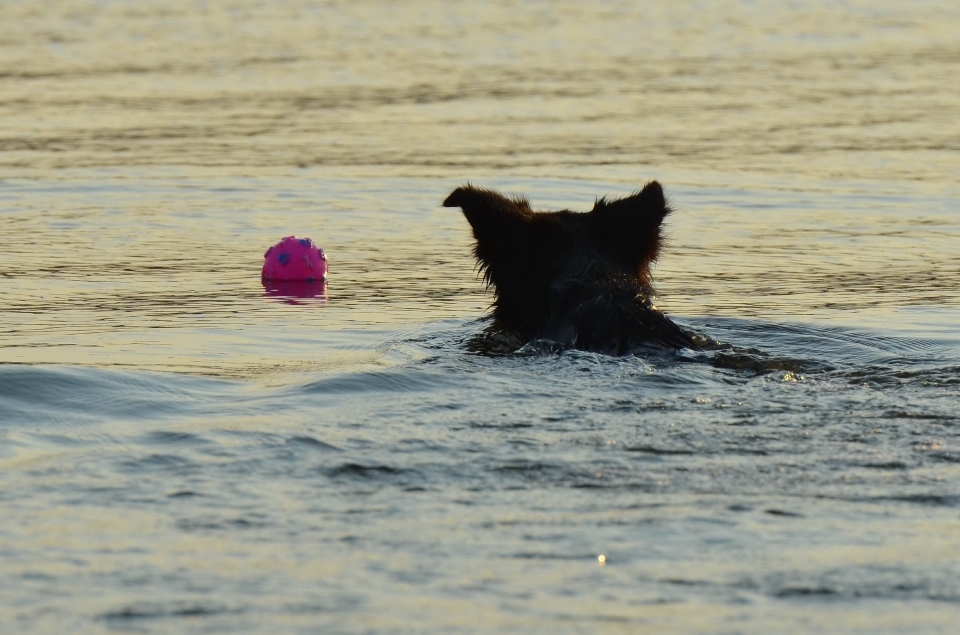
x,y
184,449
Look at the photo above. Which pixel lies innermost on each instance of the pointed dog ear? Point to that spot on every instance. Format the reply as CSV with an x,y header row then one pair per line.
x,y
489,212
499,223
629,228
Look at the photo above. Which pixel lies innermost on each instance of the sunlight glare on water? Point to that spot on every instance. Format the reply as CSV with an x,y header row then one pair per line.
x,y
184,449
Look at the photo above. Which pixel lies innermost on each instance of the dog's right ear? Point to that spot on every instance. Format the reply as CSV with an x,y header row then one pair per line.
x,y
631,227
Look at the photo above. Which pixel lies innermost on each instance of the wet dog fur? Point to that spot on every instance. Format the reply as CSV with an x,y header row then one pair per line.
x,y
579,279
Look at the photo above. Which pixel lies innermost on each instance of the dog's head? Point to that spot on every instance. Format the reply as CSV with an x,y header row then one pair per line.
x,y
542,263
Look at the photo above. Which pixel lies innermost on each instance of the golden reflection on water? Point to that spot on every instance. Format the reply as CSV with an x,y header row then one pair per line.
x,y
153,274
823,90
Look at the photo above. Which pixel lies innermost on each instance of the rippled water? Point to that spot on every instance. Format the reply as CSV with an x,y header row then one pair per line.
x,y
184,450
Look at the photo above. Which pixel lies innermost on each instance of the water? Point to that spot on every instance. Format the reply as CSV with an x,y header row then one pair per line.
x,y
183,450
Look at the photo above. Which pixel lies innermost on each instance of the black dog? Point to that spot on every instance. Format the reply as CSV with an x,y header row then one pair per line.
x,y
582,280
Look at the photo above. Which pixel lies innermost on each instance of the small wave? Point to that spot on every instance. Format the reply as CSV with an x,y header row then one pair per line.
x,y
170,437
799,591
53,393
310,442
904,373
543,555
170,463
944,456
217,524
359,470
399,380
649,449
147,611
868,583
885,465
933,500
785,513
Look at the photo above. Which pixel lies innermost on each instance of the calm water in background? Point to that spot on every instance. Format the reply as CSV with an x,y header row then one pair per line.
x,y
182,450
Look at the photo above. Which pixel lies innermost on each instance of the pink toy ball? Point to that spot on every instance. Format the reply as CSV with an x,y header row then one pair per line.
x,y
295,260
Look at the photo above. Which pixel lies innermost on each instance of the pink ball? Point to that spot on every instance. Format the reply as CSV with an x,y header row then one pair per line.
x,y
295,260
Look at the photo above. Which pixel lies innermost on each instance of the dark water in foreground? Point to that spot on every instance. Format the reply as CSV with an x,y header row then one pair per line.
x,y
477,492
185,451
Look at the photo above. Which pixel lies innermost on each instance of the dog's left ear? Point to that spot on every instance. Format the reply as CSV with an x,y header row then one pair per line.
x,y
630,227
500,225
